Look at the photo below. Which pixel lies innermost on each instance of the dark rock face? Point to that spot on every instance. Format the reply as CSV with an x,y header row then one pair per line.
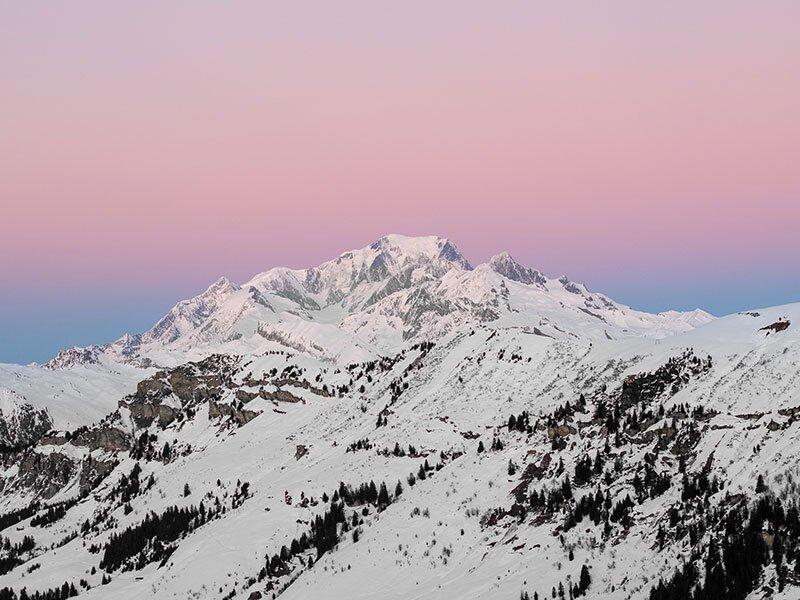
x,y
23,427
300,451
241,416
46,474
106,438
560,431
450,253
144,413
506,266
776,327
281,383
93,471
669,378
53,440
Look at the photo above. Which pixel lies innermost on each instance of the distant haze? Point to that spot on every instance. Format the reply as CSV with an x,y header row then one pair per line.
x,y
649,150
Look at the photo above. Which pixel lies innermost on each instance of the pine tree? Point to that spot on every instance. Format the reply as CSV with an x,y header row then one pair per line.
x,y
383,496
585,579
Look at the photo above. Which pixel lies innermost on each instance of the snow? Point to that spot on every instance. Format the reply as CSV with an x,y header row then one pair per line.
x,y
501,346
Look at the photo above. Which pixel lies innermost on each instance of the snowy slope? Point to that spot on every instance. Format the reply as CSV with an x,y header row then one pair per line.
x,y
268,395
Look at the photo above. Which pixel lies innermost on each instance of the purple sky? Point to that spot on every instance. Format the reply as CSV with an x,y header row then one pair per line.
x,y
648,149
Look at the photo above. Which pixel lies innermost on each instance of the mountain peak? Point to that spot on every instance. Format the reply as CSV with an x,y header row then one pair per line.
x,y
413,248
223,284
505,265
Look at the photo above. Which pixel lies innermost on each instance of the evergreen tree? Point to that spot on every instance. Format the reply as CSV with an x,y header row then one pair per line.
x,y
383,496
585,579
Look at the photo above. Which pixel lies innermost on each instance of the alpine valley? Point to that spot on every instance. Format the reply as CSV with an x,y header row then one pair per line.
x,y
399,424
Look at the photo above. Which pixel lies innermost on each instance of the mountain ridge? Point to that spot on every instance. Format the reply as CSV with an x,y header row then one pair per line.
x,y
362,282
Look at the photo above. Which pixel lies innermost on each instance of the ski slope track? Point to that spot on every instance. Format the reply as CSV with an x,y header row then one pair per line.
x,y
396,423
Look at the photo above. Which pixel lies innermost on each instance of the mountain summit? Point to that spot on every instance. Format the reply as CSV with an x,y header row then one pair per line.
x,y
369,301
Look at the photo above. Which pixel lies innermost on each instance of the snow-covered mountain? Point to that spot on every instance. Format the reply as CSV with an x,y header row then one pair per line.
x,y
360,306
396,423
371,301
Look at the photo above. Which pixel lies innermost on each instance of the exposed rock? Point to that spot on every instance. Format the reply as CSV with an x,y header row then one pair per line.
x,y
777,326
46,474
22,426
281,396
144,413
506,266
304,384
244,396
531,471
560,431
93,471
107,438
55,439
241,416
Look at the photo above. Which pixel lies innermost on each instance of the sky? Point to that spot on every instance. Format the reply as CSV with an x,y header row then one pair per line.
x,y
648,149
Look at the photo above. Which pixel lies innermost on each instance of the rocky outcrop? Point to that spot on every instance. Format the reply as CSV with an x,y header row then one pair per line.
x,y
560,431
241,416
54,439
776,327
93,471
281,396
22,426
506,266
668,379
300,451
106,438
144,413
45,474
191,384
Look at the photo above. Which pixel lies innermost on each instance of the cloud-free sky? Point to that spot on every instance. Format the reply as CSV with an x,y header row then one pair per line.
x,y
649,149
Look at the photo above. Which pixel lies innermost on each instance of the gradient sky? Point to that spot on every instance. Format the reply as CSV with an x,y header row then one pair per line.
x,y
650,149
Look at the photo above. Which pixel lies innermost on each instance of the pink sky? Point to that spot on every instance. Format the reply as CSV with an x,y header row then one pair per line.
x,y
624,143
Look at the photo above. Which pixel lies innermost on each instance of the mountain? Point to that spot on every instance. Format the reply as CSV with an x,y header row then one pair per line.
x,y
363,305
398,423
371,301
